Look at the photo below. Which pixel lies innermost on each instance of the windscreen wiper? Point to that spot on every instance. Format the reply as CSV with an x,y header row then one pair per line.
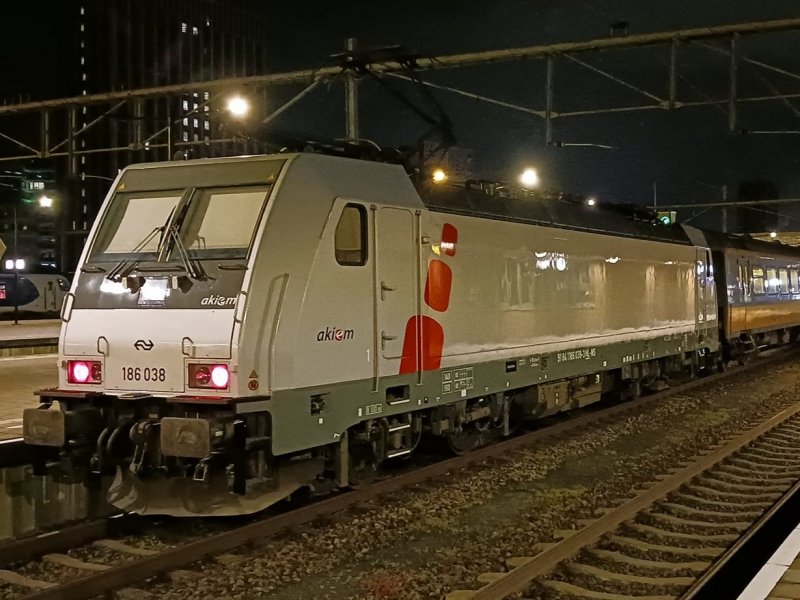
x,y
124,267
194,269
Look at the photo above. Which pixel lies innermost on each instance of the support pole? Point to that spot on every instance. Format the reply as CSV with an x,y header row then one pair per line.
x,y
44,142
673,74
170,139
351,96
733,69
548,102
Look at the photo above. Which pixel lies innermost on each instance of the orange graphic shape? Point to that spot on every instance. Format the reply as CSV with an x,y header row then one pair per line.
x,y
426,346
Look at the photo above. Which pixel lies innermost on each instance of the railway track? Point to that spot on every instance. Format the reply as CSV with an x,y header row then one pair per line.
x,y
103,564
659,543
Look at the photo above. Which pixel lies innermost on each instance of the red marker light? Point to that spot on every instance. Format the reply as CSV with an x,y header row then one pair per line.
x,y
84,371
220,376
80,372
208,376
202,375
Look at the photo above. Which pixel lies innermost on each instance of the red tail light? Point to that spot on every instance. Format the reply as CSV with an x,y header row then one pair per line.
x,y
84,371
214,377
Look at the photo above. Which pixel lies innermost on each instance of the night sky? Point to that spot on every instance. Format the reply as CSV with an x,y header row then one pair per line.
x,y
688,152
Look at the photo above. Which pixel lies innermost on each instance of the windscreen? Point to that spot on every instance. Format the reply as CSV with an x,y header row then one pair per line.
x,y
131,225
220,223
211,223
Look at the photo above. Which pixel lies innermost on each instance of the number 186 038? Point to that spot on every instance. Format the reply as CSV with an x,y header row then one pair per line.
x,y
144,374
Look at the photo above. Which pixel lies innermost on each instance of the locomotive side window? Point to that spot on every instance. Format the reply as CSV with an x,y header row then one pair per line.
x,y
350,240
758,280
783,275
793,280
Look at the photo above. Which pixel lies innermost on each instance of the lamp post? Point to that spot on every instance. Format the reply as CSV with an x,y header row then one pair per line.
x,y
16,271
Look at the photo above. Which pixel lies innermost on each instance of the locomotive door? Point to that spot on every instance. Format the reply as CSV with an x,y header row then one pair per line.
x,y
700,286
394,286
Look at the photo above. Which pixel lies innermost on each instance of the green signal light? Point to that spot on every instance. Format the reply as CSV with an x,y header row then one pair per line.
x,y
665,220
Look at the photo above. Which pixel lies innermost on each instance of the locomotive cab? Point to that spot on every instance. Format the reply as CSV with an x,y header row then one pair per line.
x,y
148,348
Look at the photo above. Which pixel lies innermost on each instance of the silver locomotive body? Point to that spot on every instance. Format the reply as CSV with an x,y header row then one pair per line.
x,y
242,327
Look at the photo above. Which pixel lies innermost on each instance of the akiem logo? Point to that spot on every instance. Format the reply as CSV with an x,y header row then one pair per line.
x,y
214,300
334,334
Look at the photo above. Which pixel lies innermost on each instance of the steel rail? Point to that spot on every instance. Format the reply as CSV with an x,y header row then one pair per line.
x,y
65,538
140,569
710,577
521,577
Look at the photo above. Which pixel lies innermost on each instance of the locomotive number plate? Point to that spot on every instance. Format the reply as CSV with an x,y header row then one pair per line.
x,y
144,374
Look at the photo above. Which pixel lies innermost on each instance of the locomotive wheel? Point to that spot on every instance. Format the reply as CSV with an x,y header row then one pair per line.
x,y
467,438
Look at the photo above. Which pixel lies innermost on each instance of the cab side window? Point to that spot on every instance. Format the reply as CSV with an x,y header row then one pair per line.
x,y
350,239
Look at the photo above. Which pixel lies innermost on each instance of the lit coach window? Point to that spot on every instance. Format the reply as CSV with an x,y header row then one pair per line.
x,y
351,236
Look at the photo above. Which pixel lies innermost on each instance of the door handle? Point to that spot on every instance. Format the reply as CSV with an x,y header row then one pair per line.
x,y
104,340
386,338
386,288
187,347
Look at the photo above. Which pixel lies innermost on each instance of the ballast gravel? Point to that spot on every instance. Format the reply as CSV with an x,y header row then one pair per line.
x,y
427,541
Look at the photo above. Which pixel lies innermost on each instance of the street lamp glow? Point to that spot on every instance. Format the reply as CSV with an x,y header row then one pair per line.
x,y
45,201
591,202
773,234
19,264
9,264
238,106
529,178
439,176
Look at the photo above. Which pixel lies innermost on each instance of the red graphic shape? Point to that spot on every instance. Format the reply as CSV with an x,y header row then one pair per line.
x,y
430,348
438,285
449,239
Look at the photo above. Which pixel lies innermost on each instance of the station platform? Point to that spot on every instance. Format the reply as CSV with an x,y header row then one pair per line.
x,y
46,329
27,363
779,578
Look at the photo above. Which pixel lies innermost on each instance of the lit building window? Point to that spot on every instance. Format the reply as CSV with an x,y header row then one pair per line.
x,y
186,122
185,105
185,136
195,31
207,125
195,123
183,27
83,10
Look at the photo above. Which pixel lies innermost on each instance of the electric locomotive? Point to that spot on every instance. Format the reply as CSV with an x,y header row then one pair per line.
x,y
241,327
